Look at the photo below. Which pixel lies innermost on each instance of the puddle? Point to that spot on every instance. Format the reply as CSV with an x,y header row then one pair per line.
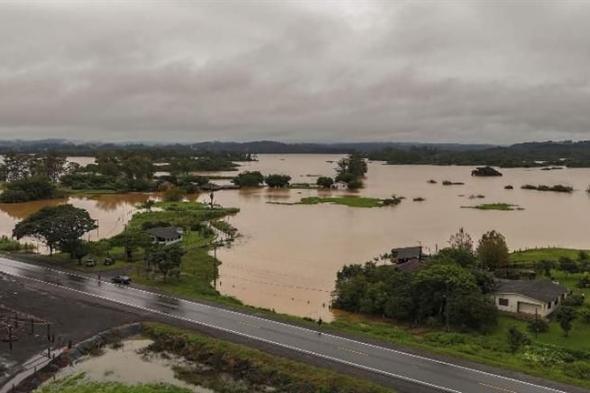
x,y
129,365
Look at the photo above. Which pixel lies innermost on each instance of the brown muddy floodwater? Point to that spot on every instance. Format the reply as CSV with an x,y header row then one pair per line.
x,y
112,212
114,366
288,256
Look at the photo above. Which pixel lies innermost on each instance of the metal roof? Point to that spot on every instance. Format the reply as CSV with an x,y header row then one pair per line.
x,y
544,290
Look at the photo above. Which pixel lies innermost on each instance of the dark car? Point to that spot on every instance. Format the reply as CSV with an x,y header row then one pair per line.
x,y
126,280
108,261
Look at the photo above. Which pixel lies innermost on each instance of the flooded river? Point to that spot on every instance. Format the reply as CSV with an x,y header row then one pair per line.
x,y
288,256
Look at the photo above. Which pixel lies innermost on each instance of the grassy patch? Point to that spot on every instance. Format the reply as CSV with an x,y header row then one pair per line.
x,y
538,359
255,369
495,206
198,268
527,257
78,384
349,200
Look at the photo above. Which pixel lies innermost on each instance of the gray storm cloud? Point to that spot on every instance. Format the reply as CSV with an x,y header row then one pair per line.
x,y
295,71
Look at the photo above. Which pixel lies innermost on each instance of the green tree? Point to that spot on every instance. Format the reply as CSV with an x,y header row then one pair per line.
x,y
461,241
276,180
492,251
436,287
166,258
131,240
325,182
56,226
351,170
28,189
566,316
537,326
248,179
545,267
77,249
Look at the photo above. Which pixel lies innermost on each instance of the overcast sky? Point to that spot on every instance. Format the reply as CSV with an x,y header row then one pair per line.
x,y
321,71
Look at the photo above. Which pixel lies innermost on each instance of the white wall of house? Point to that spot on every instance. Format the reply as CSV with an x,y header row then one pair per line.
x,y
520,304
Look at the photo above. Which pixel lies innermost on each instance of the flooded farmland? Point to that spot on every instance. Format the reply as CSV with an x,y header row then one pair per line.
x,y
288,255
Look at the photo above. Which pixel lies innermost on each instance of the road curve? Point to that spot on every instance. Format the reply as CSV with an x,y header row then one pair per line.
x,y
432,373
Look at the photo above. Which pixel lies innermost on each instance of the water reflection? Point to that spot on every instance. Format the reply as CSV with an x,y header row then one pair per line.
x,y
112,212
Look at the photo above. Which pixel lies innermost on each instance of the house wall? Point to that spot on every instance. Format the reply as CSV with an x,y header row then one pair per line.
x,y
514,299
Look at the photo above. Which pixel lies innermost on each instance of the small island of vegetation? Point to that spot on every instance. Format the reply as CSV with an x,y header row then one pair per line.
x,y
352,201
485,171
556,188
495,206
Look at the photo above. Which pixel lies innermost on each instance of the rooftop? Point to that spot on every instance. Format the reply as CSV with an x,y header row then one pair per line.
x,y
165,232
544,290
407,252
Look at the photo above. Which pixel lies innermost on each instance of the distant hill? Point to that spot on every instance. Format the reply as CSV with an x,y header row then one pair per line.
x,y
256,147
568,153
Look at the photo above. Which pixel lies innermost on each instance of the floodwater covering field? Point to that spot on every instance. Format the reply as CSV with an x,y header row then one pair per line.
x,y
113,366
288,255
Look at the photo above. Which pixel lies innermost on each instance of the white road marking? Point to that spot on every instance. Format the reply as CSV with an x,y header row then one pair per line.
x,y
510,379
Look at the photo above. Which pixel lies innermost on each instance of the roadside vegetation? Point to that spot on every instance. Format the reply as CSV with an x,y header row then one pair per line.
x,y
445,307
254,369
78,384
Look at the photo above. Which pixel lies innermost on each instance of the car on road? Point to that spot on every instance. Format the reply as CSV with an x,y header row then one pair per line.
x,y
108,261
90,262
125,280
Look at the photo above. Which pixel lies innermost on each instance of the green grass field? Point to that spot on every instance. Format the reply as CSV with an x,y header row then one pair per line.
x,y
548,253
349,200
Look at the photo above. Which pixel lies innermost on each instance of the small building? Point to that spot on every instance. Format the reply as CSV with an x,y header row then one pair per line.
x,y
165,235
529,297
411,265
406,254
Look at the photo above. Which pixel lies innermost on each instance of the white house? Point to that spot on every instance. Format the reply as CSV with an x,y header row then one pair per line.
x,y
165,235
529,297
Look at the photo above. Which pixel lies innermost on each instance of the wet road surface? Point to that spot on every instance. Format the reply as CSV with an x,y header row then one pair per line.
x,y
420,370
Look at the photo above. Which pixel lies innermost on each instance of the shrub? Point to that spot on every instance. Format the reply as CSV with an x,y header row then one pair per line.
x,y
173,195
578,369
574,300
584,281
325,182
516,339
568,265
29,189
276,181
538,325
584,315
248,179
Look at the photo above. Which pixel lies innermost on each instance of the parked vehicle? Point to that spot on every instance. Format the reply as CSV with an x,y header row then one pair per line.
x,y
90,262
125,280
108,261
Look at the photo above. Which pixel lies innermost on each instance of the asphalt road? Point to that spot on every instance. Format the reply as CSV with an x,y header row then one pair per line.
x,y
386,362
